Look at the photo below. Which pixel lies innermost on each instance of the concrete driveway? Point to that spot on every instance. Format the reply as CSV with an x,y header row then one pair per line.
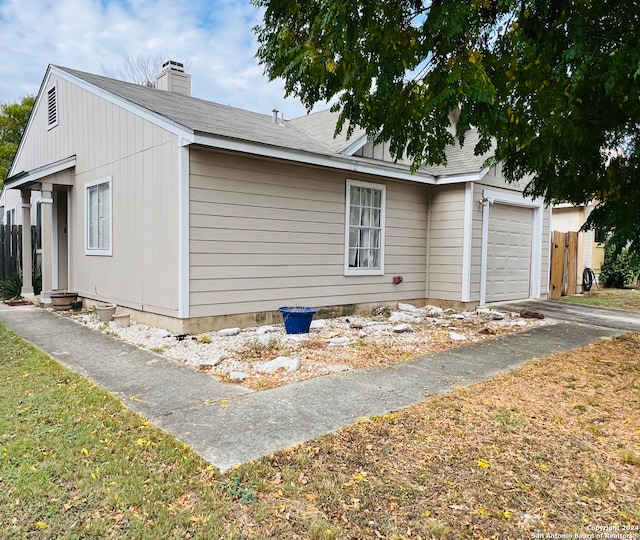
x,y
626,321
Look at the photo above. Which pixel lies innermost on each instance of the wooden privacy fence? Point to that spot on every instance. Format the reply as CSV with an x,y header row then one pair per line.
x,y
11,249
564,264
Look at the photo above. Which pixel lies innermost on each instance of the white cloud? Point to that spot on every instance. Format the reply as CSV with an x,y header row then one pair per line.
x,y
214,39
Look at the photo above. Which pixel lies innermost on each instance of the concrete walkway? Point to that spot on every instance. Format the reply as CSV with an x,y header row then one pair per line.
x,y
229,425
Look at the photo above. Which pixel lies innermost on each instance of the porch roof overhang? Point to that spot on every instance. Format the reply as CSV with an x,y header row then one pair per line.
x,y
26,179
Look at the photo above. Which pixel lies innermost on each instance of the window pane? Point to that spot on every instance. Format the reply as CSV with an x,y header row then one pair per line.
x,y
93,217
99,216
377,198
104,225
355,196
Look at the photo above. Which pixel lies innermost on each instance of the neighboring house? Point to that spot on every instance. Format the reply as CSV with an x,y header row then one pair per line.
x,y
567,217
197,215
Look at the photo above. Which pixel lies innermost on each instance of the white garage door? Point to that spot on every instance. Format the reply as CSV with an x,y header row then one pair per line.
x,y
508,253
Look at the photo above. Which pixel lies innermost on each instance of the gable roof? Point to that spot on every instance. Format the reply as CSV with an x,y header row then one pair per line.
x,y
308,139
206,117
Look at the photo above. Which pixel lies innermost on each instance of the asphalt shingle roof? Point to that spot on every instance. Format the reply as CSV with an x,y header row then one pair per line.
x,y
311,133
209,118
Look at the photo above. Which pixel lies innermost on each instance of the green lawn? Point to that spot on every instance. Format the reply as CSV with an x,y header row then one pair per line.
x,y
551,448
627,299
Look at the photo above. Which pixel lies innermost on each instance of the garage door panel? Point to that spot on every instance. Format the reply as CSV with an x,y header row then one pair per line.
x,y
508,252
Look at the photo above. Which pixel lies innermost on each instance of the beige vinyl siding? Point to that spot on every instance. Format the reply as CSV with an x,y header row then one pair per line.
x,y
494,179
265,234
380,152
446,242
142,159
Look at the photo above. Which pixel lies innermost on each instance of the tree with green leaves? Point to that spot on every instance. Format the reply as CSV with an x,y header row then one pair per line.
x,y
13,121
552,86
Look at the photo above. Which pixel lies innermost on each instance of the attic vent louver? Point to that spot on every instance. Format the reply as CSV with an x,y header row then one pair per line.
x,y
52,108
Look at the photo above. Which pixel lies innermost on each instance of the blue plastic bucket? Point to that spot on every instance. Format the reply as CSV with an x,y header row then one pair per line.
x,y
297,320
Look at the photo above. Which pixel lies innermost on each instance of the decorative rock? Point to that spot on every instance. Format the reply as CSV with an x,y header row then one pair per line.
x,y
267,329
408,307
319,323
434,311
527,313
518,323
356,325
381,310
457,337
374,323
265,339
457,316
402,328
490,314
282,362
229,332
404,317
340,341
238,376
381,333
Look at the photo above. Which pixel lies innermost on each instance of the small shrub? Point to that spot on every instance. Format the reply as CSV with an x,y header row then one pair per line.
x,y
619,268
12,286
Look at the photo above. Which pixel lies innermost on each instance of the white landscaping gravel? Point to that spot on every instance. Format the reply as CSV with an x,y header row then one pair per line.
x,y
221,352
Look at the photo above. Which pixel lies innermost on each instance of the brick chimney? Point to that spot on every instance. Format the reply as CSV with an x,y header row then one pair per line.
x,y
172,78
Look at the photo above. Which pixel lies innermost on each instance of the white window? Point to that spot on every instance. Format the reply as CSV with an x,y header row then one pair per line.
x,y
364,235
52,107
98,217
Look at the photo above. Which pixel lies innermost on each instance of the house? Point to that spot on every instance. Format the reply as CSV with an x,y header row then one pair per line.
x,y
195,215
567,217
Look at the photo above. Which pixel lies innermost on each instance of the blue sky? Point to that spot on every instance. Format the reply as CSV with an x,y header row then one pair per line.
x,y
213,38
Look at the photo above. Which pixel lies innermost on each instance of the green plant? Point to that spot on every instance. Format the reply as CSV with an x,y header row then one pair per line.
x,y
620,267
11,287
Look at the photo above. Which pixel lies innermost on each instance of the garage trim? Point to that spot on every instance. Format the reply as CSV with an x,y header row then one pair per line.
x,y
488,198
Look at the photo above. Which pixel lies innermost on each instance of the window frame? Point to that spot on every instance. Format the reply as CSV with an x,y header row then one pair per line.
x,y
88,250
52,108
355,271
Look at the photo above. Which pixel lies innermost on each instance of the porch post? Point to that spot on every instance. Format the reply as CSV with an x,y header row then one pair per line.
x,y
46,209
27,263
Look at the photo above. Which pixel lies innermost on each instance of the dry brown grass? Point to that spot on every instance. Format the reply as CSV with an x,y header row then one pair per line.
x,y
551,448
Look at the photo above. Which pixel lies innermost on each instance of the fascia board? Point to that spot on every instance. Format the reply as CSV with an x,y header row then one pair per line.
x,y
462,178
41,172
355,145
339,161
